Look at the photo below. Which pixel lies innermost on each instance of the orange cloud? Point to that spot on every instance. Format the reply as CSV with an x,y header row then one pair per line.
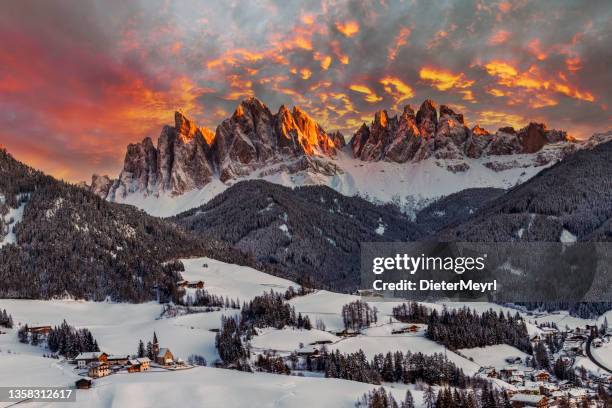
x,y
499,37
400,40
499,119
305,73
573,64
444,80
370,95
535,49
534,80
399,90
348,29
326,62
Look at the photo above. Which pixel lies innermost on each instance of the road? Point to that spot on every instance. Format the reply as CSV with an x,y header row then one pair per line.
x,y
592,358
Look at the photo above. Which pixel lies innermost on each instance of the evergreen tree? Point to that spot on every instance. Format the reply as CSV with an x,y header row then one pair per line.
x,y
429,398
408,400
141,349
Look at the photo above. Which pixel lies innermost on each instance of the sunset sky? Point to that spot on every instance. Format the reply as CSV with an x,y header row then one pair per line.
x,y
79,80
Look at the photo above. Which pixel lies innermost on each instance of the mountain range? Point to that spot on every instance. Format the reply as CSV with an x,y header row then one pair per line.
x,y
409,159
58,239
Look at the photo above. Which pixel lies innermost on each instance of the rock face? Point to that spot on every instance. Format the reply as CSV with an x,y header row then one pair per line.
x,y
188,157
410,137
100,185
254,137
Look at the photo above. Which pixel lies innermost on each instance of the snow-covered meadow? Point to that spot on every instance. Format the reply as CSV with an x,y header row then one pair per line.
x,y
119,327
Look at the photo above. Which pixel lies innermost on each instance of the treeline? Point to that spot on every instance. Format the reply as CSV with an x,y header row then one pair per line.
x,y
412,312
267,310
64,339
584,310
271,310
407,368
202,297
465,328
6,320
358,314
379,398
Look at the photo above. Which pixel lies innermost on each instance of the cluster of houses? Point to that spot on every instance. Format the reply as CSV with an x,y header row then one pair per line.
x,y
538,388
100,364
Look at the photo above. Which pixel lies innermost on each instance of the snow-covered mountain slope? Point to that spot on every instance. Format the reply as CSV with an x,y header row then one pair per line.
x,y
411,185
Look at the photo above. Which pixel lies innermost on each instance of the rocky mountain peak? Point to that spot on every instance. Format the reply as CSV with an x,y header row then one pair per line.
x,y
479,131
442,134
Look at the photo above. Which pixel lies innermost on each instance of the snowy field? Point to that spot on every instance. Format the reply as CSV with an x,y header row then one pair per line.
x,y
118,327
493,356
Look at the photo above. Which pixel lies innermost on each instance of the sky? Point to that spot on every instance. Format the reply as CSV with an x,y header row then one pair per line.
x,y
79,80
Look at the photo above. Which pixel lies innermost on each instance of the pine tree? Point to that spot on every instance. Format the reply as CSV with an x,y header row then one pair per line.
x,y
429,398
150,351
408,400
141,349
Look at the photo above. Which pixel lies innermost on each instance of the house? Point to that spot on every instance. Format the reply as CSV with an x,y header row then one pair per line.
x,y
307,351
138,365
182,284
597,342
413,328
39,329
542,376
489,371
526,400
84,359
514,360
83,383
196,284
577,395
509,370
515,379
115,360
97,370
164,356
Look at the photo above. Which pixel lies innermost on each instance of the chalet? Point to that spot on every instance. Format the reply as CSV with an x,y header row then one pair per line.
x,y
597,343
307,351
84,359
138,365
83,383
514,360
531,388
536,338
195,284
164,356
321,342
542,376
182,284
510,370
525,400
489,372
413,328
577,395
97,370
515,380
549,331
39,329
115,360
564,385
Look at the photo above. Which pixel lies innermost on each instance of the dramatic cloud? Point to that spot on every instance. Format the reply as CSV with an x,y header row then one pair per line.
x,y
80,80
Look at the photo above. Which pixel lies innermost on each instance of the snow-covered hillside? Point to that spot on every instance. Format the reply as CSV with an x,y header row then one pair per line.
x,y
118,328
410,185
